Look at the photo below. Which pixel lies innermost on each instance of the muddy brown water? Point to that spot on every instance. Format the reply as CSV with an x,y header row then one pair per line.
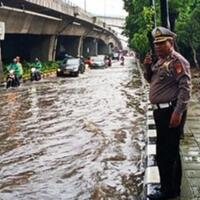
x,y
74,138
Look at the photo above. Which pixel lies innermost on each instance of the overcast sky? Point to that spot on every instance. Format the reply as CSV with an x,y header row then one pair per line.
x,y
102,7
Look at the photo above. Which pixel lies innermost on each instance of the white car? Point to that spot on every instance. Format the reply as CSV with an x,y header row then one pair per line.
x,y
98,62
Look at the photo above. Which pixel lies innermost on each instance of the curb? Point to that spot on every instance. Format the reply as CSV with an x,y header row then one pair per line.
x,y
2,84
151,178
151,174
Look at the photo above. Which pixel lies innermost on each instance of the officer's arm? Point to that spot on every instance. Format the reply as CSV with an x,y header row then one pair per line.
x,y
183,78
147,67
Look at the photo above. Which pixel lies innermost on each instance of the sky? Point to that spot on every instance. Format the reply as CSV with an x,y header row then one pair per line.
x,y
102,7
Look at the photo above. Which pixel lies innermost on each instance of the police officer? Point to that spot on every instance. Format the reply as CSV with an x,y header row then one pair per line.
x,y
170,81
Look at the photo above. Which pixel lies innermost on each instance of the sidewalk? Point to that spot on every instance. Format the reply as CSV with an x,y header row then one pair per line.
x,y
190,147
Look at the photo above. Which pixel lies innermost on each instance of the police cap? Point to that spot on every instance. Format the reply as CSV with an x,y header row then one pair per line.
x,y
161,34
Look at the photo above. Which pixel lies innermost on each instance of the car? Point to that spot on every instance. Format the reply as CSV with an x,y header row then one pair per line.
x,y
71,67
98,62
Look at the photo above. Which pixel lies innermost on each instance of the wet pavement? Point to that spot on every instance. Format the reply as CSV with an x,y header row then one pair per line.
x,y
190,146
74,138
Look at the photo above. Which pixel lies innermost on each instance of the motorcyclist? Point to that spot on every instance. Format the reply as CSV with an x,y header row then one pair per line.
x,y
20,67
35,70
122,60
88,62
38,64
16,68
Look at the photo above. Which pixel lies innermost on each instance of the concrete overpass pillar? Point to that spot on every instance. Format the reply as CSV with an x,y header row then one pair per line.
x,y
80,46
1,66
49,48
52,47
103,48
90,47
45,49
109,49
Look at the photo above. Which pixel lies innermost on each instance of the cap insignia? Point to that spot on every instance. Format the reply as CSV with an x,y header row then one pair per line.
x,y
158,33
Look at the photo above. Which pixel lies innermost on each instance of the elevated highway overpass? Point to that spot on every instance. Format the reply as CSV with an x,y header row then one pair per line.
x,y
45,29
113,21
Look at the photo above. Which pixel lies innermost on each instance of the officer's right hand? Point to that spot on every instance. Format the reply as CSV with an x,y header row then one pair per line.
x,y
175,120
148,59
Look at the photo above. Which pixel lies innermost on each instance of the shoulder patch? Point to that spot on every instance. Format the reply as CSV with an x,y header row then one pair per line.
x,y
179,67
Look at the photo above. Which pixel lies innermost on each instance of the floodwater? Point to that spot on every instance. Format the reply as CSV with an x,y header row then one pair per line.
x,y
74,138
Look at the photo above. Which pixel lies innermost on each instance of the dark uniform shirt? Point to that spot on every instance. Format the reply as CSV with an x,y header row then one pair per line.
x,y
170,80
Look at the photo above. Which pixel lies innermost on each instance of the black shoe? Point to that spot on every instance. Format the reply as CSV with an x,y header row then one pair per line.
x,y
172,195
157,196
163,196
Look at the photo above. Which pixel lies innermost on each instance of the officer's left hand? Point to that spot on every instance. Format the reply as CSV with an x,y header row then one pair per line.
x,y
175,120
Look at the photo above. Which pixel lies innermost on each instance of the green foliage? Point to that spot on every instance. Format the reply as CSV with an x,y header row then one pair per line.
x,y
140,43
184,16
48,66
188,28
138,23
148,13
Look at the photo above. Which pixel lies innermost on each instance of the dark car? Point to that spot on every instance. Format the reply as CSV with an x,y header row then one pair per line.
x,y
98,62
71,67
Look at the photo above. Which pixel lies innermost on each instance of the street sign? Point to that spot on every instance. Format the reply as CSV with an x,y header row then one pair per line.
x,y
2,30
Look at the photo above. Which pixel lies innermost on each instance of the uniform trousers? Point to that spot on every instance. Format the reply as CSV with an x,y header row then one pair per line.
x,y
168,156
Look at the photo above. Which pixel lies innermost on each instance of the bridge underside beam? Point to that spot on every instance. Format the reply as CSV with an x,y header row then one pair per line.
x,y
27,47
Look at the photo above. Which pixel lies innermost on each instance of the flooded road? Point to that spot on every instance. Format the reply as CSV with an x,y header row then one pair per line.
x,y
74,138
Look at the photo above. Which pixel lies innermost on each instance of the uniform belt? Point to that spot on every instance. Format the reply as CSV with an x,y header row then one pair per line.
x,y
161,105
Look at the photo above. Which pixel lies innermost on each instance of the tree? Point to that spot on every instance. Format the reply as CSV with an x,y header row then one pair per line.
x,y
188,30
189,34
184,19
138,24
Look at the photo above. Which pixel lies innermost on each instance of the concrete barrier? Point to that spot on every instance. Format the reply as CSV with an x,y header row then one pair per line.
x,y
152,178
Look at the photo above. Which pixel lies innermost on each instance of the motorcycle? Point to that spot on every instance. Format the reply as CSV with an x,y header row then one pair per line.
x,y
12,80
35,74
122,63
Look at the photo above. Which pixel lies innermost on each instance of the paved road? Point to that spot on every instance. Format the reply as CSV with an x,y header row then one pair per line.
x,y
73,138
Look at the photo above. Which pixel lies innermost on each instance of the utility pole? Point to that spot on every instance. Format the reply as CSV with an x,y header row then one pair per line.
x,y
149,35
85,6
1,66
152,4
164,10
165,22
2,35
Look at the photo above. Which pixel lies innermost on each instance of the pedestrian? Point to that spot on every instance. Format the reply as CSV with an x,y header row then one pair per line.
x,y
170,82
122,60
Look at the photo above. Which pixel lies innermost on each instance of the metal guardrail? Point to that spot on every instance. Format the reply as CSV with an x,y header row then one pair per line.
x,y
69,2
